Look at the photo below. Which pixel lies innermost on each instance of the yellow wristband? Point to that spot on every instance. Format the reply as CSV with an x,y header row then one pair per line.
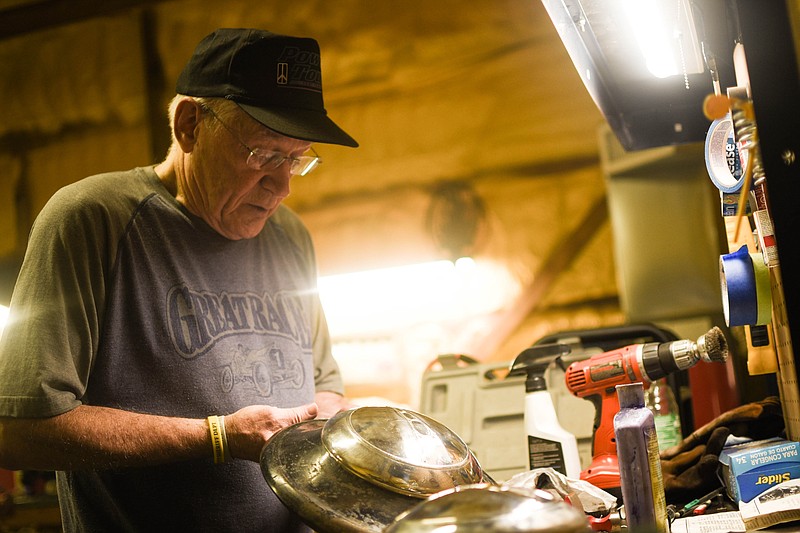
x,y
217,443
225,449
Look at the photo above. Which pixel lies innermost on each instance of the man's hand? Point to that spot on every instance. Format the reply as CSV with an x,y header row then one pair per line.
x,y
330,403
249,428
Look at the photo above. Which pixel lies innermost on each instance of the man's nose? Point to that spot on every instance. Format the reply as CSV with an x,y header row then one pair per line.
x,y
277,181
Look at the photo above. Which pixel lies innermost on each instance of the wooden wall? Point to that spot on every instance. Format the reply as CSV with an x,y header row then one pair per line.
x,y
480,94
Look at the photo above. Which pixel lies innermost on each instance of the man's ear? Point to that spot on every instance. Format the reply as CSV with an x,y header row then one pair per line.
x,y
188,115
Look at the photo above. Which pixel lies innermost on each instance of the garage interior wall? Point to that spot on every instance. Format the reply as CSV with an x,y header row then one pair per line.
x,y
441,95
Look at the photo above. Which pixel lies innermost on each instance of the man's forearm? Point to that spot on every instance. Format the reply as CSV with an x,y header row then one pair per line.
x,y
89,437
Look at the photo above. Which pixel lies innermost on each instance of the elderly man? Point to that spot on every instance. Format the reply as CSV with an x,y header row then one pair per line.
x,y
165,323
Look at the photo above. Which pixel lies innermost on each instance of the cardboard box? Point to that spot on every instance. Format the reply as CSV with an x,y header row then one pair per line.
x,y
750,468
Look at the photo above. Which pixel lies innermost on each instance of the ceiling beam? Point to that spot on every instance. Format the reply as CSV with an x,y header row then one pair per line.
x,y
544,279
46,14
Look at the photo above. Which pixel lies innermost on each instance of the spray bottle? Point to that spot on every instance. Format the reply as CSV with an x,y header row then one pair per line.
x,y
549,445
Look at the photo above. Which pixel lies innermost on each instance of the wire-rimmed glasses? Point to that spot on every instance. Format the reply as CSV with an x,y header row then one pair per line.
x,y
258,159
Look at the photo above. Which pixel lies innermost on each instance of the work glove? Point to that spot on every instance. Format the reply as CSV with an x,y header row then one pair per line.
x,y
689,468
756,421
693,473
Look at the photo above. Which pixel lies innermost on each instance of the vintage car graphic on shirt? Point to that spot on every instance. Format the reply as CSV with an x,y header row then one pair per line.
x,y
263,369
199,320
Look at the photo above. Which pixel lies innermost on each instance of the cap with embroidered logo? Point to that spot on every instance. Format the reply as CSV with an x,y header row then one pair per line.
x,y
276,79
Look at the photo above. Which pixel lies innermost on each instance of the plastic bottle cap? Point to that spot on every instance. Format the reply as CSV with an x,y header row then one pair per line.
x,y
630,395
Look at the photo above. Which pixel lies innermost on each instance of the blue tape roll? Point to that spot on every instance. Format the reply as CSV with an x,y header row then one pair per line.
x,y
737,278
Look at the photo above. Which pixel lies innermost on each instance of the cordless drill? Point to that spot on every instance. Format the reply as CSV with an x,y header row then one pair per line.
x,y
595,379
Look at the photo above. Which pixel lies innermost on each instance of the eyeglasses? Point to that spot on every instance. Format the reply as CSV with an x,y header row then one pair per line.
x,y
260,159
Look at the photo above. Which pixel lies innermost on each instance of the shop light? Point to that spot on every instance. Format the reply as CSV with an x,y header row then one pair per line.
x,y
666,34
387,300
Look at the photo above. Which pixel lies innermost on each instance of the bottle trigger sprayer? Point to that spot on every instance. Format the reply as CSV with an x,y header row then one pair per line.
x,y
549,445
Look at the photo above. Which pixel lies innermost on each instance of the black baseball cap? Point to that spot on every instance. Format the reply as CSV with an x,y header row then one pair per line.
x,y
276,79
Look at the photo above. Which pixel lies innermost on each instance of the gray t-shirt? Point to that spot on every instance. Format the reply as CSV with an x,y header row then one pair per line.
x,y
127,300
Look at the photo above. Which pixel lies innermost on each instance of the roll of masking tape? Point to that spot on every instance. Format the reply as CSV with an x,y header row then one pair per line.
x,y
763,290
723,161
737,279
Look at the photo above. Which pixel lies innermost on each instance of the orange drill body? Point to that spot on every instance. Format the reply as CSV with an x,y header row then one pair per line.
x,y
596,379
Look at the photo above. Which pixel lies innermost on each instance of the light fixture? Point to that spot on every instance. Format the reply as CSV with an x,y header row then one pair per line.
x,y
642,110
456,218
666,34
